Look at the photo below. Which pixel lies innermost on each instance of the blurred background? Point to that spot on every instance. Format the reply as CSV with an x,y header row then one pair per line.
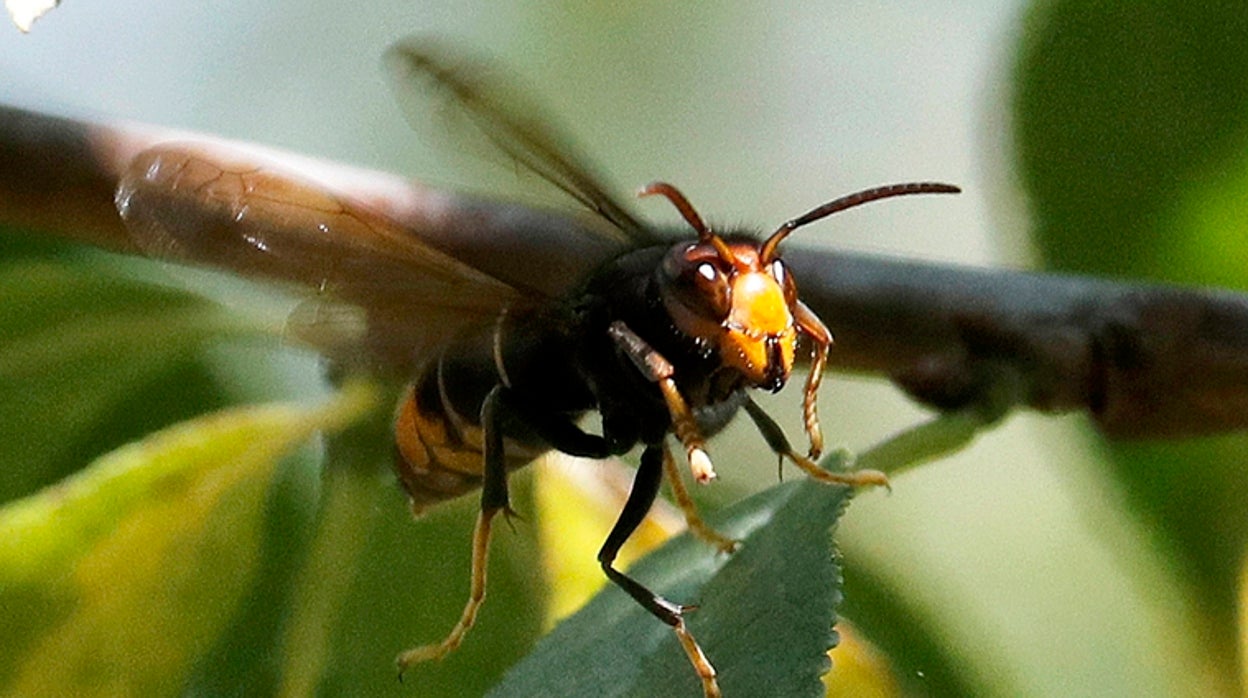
x,y
1103,138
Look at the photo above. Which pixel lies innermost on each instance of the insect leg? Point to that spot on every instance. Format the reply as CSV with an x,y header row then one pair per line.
x,y
494,499
659,370
819,334
779,444
694,520
645,488
559,432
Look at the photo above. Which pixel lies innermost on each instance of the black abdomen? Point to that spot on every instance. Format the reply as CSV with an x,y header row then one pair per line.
x,y
438,434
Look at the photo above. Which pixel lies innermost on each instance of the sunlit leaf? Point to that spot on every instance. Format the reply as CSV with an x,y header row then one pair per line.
x,y
115,581
80,352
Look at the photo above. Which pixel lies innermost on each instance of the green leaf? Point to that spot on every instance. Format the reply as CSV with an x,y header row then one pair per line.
x,y
765,614
1122,110
80,353
115,581
93,357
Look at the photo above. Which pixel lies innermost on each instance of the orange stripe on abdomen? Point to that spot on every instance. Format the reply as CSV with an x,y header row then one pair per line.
x,y
436,459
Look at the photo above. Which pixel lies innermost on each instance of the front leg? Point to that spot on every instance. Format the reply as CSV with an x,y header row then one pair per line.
x,y
657,369
821,337
693,519
779,444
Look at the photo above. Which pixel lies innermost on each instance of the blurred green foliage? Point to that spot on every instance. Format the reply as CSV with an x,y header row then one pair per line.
x,y
1132,133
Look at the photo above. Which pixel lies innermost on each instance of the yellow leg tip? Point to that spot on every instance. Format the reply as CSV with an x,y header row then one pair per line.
x,y
418,655
705,670
852,478
715,539
868,478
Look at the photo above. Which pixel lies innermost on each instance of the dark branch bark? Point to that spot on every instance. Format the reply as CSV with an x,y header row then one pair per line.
x,y
1145,360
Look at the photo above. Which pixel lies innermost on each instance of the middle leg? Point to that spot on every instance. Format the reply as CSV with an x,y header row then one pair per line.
x,y
645,488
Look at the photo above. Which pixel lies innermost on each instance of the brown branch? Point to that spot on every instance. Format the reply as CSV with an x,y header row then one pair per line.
x,y
56,178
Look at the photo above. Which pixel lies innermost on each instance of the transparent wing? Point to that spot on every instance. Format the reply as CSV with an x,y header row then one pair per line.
x,y
471,99
380,295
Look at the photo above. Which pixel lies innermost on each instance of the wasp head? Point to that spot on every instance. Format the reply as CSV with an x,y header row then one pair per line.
x,y
734,304
734,298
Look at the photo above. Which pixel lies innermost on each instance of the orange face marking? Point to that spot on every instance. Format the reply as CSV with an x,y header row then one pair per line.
x,y
739,307
758,304
760,337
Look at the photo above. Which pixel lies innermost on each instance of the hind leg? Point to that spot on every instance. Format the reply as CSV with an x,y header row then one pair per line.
x,y
494,499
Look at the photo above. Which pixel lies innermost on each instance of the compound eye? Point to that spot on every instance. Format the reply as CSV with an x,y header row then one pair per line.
x,y
694,277
706,288
780,273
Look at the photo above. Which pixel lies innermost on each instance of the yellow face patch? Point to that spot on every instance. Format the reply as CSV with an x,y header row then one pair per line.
x,y
760,339
758,305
